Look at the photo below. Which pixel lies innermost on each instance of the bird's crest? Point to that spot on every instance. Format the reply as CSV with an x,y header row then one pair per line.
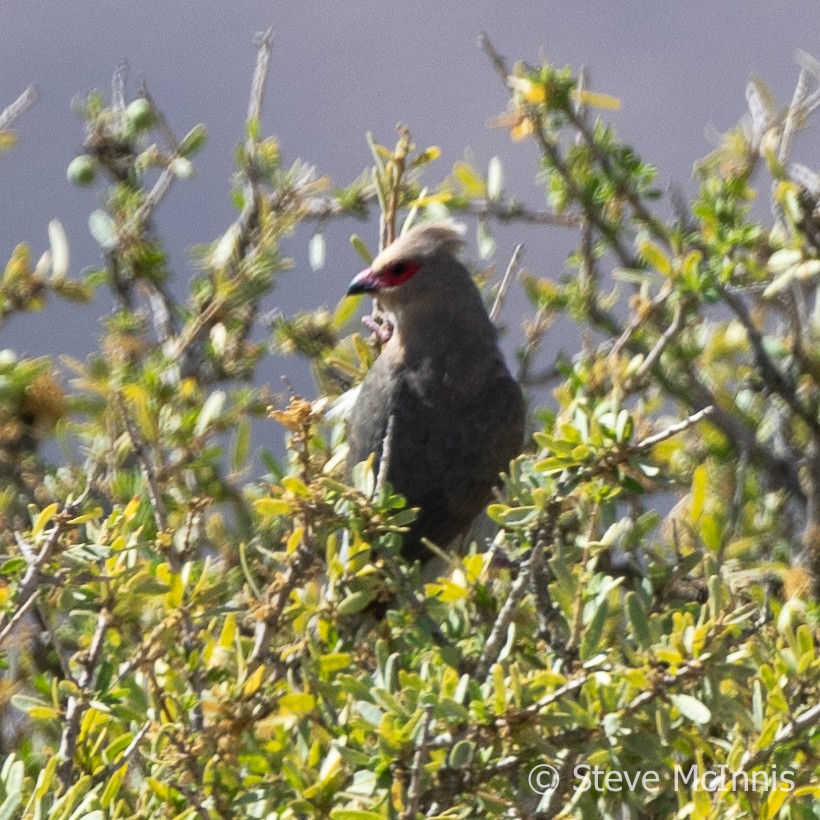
x,y
427,239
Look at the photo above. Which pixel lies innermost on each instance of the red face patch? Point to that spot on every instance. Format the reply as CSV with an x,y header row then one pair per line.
x,y
397,273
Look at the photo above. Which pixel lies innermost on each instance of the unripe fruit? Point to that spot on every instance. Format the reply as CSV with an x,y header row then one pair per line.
x,y
81,170
139,114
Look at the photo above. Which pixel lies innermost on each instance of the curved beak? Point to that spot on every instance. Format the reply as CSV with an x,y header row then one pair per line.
x,y
364,282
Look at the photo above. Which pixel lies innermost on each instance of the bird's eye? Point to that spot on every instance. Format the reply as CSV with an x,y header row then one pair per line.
x,y
400,272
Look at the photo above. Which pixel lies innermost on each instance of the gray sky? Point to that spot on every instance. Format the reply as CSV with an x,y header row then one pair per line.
x,y
341,69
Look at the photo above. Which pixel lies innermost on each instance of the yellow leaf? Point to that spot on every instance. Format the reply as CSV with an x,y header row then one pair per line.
x,y
470,180
131,508
81,519
777,797
297,702
294,540
655,257
43,518
449,592
530,92
8,139
226,637
523,129
431,199
253,683
139,399
597,100
698,497
295,485
271,507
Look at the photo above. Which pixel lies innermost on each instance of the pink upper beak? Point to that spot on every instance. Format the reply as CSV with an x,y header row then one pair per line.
x,y
364,282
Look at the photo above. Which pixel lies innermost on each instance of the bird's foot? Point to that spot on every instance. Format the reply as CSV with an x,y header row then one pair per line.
x,y
382,329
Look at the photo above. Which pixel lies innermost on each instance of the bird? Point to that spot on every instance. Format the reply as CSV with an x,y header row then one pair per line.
x,y
439,403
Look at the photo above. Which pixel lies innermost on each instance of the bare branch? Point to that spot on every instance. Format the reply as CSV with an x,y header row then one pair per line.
x,y
384,461
654,355
29,585
518,590
260,75
77,705
807,719
505,283
650,441
154,491
11,112
417,771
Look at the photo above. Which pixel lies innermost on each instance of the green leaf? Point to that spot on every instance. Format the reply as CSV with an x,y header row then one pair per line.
x,y
638,620
461,754
210,410
495,178
241,444
193,141
316,251
355,602
593,632
690,707
103,229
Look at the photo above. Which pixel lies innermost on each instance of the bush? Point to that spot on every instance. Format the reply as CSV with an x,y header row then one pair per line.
x,y
182,639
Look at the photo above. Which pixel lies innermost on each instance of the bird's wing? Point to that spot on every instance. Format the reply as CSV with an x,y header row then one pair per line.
x,y
445,457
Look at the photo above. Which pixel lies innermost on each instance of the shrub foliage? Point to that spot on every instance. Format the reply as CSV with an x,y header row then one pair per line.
x,y
181,636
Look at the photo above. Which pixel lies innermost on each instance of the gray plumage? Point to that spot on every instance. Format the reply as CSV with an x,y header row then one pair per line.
x,y
457,413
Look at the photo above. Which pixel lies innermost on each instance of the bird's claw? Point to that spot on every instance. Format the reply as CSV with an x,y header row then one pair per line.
x,y
382,330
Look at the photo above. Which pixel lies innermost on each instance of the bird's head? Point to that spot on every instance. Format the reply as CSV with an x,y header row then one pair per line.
x,y
412,265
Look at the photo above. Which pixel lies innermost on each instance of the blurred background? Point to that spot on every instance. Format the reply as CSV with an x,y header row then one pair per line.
x,y
341,69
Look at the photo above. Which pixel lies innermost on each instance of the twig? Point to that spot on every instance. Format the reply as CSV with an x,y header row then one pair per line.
x,y
505,283
499,63
302,560
260,74
655,354
417,772
28,588
11,112
150,475
805,720
498,634
514,212
125,757
18,615
638,318
650,441
555,801
77,705
384,461
774,378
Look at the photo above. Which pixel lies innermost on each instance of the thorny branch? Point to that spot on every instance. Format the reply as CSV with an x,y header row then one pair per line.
x,y
77,704
30,583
